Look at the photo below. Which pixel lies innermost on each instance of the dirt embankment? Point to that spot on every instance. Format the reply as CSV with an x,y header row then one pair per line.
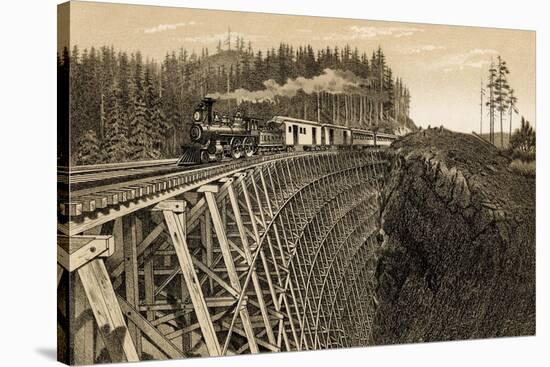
x,y
458,258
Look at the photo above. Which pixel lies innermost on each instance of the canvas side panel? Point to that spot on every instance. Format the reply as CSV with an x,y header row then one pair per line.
x,y
63,72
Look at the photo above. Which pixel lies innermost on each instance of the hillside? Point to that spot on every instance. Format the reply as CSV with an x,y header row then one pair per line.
x,y
458,258
506,138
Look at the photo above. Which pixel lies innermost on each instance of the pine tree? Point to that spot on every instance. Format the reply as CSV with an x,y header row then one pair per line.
x,y
524,138
491,103
501,93
159,130
115,146
63,108
389,91
156,123
139,138
88,151
124,81
512,107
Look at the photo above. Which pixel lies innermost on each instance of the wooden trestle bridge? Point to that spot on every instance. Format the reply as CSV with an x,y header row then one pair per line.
x,y
273,253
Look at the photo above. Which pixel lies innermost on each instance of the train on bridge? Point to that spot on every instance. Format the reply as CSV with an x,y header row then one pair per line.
x,y
213,138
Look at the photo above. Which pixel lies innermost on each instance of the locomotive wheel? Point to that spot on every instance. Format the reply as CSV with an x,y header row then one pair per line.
x,y
205,157
236,148
211,148
250,147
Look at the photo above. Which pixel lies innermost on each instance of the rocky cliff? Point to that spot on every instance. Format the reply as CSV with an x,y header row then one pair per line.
x,y
458,255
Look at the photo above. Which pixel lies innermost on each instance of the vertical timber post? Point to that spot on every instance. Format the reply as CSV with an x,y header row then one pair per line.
x,y
248,253
179,241
131,272
219,228
106,309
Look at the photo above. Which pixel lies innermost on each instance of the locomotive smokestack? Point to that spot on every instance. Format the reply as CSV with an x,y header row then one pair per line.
x,y
208,102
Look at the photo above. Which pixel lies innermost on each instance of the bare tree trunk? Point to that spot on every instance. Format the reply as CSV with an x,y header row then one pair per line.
x,y
102,118
365,107
370,112
333,108
352,107
509,136
360,110
501,130
356,104
318,108
338,109
351,111
481,108
346,108
376,112
174,149
397,106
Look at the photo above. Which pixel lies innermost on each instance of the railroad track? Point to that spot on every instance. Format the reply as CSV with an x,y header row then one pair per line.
x,y
98,172
84,190
101,193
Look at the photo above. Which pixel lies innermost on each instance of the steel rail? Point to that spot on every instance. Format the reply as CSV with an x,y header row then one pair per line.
x,y
91,168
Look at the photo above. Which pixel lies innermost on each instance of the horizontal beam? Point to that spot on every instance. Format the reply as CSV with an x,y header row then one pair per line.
x,y
176,206
208,188
75,251
210,302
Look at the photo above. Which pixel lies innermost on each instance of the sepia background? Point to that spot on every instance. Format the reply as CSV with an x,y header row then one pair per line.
x,y
442,66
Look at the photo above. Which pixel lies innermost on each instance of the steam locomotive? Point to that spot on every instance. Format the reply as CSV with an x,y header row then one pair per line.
x,y
214,137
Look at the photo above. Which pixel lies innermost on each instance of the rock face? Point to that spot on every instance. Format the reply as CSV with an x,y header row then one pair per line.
x,y
458,257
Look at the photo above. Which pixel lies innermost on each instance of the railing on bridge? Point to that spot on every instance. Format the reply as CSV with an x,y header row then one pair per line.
x,y
272,256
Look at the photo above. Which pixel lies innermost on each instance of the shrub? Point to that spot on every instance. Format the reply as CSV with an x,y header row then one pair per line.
x,y
527,169
523,156
524,138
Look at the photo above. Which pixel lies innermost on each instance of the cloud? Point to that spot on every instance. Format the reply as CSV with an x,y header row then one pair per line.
x,y
214,38
368,32
167,27
476,58
420,49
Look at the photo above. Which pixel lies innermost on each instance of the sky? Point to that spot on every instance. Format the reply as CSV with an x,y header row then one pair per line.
x,y
442,65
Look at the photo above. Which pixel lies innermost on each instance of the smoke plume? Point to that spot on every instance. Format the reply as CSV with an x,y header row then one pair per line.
x,y
330,81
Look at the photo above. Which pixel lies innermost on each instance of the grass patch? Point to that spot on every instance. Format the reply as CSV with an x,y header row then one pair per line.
x,y
527,169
